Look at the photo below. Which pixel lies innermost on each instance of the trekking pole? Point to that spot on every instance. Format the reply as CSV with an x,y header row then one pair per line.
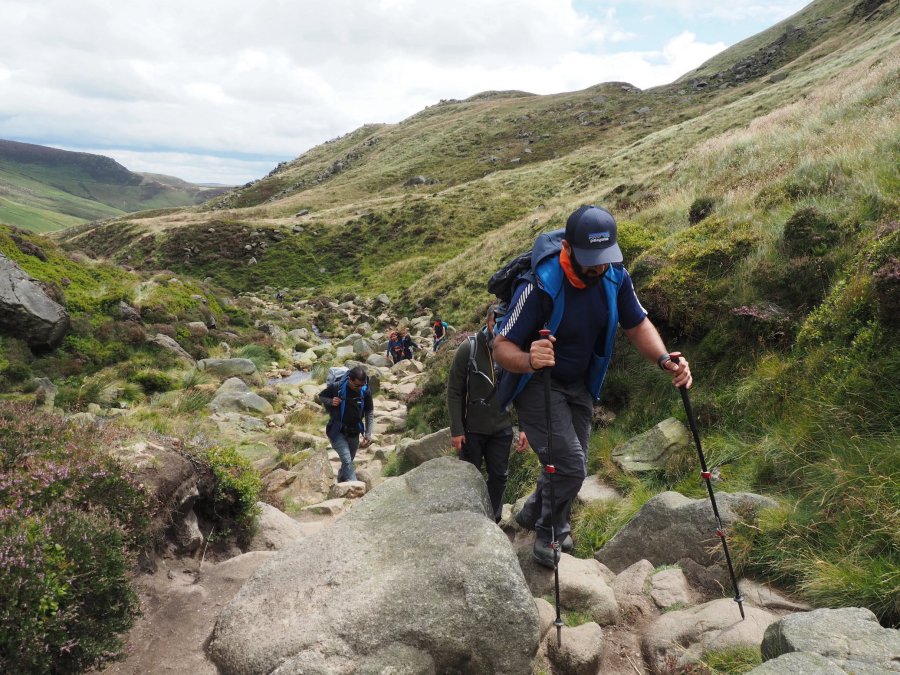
x,y
707,475
550,470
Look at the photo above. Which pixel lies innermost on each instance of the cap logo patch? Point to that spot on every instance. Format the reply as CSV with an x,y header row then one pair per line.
x,y
598,237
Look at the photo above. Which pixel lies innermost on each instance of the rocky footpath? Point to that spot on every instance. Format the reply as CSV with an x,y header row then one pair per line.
x,y
410,575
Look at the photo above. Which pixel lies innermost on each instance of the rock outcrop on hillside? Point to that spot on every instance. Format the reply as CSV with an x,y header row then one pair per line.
x,y
671,528
26,311
410,576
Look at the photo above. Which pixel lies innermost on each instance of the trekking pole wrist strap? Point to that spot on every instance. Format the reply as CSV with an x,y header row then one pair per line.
x,y
662,360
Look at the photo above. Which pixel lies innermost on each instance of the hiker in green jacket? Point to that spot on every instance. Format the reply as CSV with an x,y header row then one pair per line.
x,y
478,430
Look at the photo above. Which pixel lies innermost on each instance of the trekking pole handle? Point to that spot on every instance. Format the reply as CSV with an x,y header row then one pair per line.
x,y
545,334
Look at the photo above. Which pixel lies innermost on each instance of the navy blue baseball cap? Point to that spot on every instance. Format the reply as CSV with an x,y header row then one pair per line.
x,y
591,232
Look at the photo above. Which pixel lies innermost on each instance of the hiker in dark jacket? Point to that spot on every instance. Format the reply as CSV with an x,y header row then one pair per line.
x,y
478,429
349,403
581,294
408,344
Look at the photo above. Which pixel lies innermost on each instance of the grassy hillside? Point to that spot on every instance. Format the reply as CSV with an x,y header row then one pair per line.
x,y
45,189
758,200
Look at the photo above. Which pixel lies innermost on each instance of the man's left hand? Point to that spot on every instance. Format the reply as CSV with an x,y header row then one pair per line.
x,y
366,442
680,372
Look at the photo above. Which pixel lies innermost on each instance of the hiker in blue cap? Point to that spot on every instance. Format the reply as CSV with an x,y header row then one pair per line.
x,y
578,293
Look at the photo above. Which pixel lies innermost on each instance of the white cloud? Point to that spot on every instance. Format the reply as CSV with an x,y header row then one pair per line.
x,y
225,79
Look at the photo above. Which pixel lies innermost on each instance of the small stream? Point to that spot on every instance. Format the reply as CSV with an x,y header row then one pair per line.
x,y
297,377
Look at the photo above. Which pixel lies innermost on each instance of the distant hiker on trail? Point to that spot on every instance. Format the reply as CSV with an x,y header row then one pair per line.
x,y
478,429
395,347
440,333
280,297
408,344
350,404
580,292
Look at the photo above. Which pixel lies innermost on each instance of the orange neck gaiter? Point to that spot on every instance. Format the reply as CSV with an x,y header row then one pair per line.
x,y
566,263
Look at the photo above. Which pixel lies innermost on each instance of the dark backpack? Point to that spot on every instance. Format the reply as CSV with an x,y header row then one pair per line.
x,y
504,281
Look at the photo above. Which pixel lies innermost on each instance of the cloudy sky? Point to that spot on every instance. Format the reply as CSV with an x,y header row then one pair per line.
x,y
222,90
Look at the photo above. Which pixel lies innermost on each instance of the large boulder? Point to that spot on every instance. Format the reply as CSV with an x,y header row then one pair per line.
x,y
651,450
379,361
308,481
420,450
408,578
673,529
274,529
851,638
26,311
225,368
364,347
170,345
235,396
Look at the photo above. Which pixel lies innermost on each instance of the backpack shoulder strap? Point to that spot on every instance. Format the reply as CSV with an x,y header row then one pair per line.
x,y
473,348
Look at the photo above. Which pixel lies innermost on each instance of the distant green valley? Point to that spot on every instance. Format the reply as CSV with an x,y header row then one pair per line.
x,y
44,189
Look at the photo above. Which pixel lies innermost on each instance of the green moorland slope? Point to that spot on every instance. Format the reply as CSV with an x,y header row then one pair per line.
x,y
759,201
45,189
73,521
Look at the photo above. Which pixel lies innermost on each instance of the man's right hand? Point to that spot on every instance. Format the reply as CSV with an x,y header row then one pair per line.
x,y
541,354
457,442
336,401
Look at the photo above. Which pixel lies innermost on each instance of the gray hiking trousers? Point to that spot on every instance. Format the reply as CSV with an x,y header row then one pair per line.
x,y
571,408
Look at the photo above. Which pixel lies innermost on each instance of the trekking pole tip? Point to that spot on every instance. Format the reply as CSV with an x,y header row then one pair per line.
x,y
559,624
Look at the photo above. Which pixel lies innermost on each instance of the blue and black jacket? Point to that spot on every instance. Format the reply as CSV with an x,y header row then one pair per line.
x,y
548,276
337,413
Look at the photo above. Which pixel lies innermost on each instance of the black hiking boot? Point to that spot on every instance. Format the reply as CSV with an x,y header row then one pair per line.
x,y
567,544
543,554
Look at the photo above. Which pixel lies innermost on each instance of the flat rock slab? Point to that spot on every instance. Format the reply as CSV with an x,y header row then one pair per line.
x,y
850,638
713,626
331,507
800,663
